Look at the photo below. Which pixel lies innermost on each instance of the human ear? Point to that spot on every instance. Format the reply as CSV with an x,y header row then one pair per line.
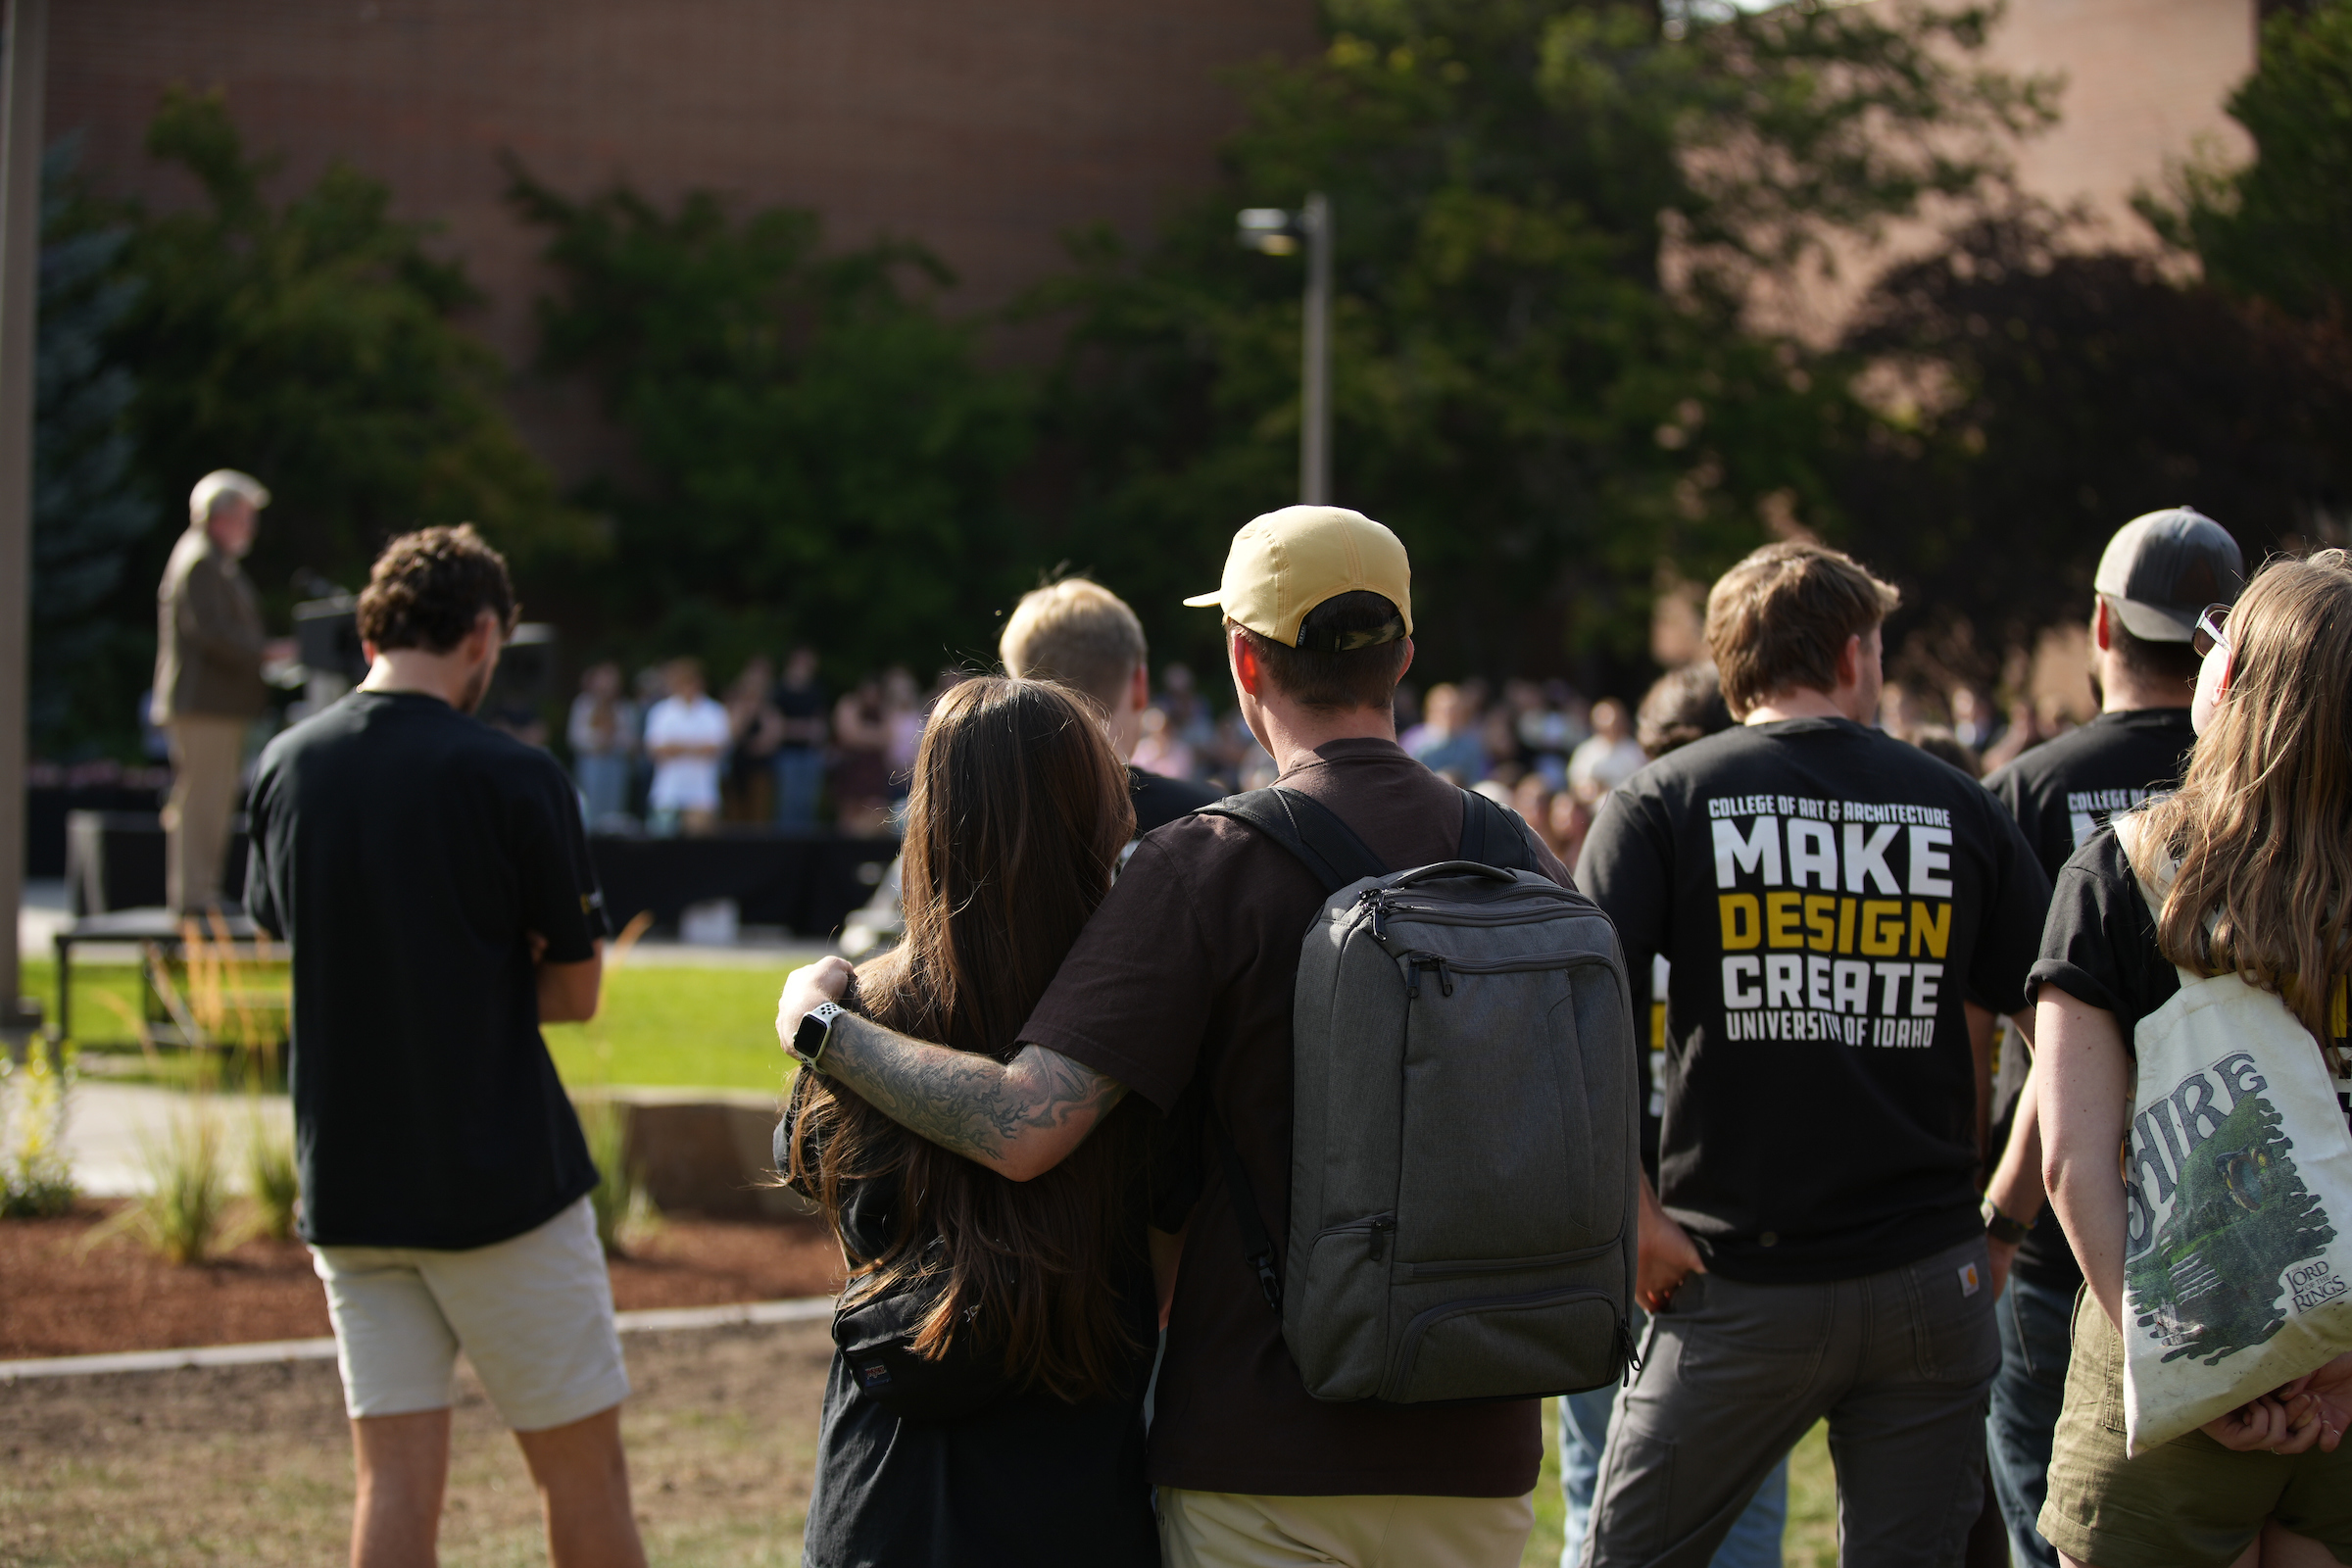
x,y
1246,674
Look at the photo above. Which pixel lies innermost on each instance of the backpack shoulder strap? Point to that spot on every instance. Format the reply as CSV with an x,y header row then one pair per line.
x,y
1306,828
1490,836
1256,1245
2151,867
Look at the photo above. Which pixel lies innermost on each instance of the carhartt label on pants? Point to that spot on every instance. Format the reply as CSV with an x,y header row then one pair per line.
x,y
1969,1283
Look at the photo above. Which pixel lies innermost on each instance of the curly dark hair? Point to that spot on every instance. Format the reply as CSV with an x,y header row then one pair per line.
x,y
427,589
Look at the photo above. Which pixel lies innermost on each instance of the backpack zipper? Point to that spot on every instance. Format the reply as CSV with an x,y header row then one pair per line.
x,y
1574,958
1379,1226
1414,964
1416,961
1382,902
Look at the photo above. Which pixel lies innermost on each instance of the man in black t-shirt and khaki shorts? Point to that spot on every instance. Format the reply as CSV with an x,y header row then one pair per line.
x,y
433,881
1845,915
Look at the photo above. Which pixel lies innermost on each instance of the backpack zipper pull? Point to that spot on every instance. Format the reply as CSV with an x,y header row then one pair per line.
x,y
1445,980
1412,977
1378,898
1383,1227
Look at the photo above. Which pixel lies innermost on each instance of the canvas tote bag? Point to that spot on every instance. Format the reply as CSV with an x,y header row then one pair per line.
x,y
2237,1191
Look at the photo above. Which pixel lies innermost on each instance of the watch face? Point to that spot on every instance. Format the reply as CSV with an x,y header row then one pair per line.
x,y
810,1034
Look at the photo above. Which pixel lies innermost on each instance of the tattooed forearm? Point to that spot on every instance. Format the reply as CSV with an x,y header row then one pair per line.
x,y
1020,1118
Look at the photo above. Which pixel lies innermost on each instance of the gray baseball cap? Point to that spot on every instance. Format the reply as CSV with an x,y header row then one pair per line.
x,y
2162,570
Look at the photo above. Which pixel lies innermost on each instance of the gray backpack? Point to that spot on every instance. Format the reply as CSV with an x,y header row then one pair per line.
x,y
1464,1136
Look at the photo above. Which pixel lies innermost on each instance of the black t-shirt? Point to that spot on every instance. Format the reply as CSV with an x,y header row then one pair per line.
x,y
1160,800
2062,793
2099,945
1830,898
2062,790
407,854
1028,1480
798,703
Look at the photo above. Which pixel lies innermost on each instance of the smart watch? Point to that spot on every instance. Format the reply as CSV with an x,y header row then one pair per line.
x,y
808,1041
1997,1225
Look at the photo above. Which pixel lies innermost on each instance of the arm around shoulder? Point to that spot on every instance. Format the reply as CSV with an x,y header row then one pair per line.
x,y
1020,1118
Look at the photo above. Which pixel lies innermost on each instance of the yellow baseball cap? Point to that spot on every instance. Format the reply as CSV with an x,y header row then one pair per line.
x,y
1286,563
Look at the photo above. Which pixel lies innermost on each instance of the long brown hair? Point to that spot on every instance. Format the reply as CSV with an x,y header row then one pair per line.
x,y
2263,822
1018,812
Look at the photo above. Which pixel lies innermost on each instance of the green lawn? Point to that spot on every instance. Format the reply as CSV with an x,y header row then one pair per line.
x,y
700,1028
662,1026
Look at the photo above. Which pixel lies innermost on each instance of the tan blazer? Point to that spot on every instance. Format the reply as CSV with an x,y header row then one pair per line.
x,y
209,636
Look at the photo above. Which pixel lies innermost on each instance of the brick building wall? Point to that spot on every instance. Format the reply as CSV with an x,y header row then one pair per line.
x,y
2145,83
982,130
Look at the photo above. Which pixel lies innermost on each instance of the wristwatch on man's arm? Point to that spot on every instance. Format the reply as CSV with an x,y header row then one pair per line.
x,y
1997,1225
809,1040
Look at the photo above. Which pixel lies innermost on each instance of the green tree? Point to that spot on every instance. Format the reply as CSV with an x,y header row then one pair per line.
x,y
2057,392
315,344
1550,213
2280,228
88,508
817,452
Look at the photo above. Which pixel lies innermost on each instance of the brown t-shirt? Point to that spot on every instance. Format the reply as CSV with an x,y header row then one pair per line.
x,y
1181,987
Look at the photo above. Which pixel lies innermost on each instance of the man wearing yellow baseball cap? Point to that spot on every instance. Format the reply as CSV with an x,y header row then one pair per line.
x,y
1181,989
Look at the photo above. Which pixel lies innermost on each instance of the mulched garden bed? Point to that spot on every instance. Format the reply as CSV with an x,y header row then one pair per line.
x,y
60,1295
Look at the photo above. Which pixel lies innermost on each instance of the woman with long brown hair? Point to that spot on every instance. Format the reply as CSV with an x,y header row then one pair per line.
x,y
1032,1299
2252,862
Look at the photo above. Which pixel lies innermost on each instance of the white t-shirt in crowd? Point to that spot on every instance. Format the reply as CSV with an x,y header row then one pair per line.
x,y
1605,762
687,783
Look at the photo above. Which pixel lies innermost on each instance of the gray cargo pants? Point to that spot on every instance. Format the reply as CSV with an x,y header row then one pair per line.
x,y
1735,1374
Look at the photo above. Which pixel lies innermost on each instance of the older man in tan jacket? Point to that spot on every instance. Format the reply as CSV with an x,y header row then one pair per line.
x,y
208,678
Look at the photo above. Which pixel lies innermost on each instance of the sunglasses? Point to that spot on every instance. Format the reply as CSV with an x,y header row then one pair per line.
x,y
2209,633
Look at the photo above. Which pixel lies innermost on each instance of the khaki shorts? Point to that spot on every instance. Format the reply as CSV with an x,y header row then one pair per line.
x,y
2191,1503
1226,1530
533,1313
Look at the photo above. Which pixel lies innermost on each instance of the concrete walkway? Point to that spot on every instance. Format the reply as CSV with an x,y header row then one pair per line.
x,y
110,1127
650,1320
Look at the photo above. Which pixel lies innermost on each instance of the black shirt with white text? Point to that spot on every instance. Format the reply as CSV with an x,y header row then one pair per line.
x,y
1830,900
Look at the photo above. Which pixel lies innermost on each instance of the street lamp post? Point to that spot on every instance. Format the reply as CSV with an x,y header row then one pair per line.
x,y
1279,231
26,54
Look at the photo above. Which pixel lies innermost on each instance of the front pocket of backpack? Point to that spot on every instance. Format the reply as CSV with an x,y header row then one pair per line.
x,y
1508,1346
1335,1322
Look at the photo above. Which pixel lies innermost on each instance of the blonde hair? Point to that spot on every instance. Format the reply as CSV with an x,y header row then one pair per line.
x,y
2263,822
1781,617
1078,633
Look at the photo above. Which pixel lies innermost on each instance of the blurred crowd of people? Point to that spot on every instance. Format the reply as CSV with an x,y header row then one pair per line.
x,y
662,755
